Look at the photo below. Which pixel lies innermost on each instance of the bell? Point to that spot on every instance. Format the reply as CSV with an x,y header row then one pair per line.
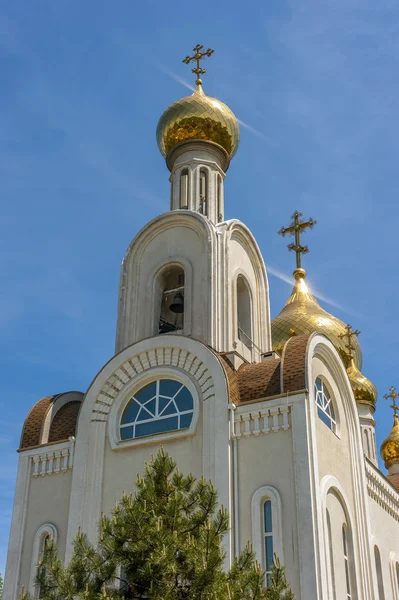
x,y
177,305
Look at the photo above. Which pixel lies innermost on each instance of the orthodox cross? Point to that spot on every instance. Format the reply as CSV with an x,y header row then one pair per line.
x,y
295,229
349,335
393,395
198,56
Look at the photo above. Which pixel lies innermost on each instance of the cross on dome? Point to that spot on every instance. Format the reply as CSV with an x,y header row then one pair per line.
x,y
349,335
295,229
198,56
393,395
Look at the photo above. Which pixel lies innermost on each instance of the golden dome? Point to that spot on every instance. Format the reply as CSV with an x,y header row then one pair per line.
x,y
390,447
302,314
198,117
364,390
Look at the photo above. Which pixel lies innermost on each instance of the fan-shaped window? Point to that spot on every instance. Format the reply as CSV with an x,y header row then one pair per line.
x,y
325,408
161,406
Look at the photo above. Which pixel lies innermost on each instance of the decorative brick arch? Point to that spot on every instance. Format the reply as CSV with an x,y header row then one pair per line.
x,y
144,361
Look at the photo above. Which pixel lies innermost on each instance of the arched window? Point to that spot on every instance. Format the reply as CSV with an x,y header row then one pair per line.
x,y
346,562
378,569
159,407
43,536
183,198
203,203
244,313
267,531
330,549
268,535
325,408
171,288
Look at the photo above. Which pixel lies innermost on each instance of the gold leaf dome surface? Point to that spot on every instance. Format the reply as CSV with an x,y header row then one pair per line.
x,y
302,314
364,390
198,117
390,447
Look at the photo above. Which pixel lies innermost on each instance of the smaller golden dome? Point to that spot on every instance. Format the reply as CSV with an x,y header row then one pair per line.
x,y
198,117
364,390
390,447
302,314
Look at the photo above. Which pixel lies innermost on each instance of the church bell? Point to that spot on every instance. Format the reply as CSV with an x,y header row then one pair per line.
x,y
177,305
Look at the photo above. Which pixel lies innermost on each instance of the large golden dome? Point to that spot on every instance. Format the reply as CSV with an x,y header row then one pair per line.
x,y
364,390
390,447
198,117
302,314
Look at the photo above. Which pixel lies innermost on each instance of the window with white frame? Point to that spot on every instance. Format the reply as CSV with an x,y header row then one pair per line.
x,y
43,536
159,407
268,537
324,403
267,532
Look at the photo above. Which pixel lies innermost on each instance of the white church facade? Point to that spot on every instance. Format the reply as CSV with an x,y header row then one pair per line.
x,y
276,413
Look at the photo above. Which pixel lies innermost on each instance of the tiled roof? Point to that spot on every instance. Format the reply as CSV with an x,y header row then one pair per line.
x,y
270,378
394,479
33,423
64,422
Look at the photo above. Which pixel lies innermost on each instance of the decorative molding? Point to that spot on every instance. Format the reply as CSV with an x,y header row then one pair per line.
x,y
52,462
381,491
40,535
144,361
261,421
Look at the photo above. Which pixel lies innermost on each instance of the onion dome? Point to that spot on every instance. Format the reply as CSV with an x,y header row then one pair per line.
x,y
302,314
198,117
390,447
364,390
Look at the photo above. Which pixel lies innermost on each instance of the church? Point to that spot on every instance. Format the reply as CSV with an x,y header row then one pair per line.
x,y
277,413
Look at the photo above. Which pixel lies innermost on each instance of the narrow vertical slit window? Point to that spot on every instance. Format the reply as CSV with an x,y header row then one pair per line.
x,y
184,189
397,575
378,568
268,538
346,561
203,205
244,313
219,200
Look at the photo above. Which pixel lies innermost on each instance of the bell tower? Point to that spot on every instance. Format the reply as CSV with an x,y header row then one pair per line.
x,y
189,271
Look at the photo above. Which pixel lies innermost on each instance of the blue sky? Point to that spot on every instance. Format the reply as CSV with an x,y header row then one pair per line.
x,y
82,87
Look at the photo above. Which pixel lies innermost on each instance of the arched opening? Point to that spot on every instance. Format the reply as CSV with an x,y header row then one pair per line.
x,y
171,309
330,549
184,183
378,568
244,313
341,559
268,538
203,200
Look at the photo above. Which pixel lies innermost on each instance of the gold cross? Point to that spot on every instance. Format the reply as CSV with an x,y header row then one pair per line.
x,y
393,395
349,335
198,56
296,228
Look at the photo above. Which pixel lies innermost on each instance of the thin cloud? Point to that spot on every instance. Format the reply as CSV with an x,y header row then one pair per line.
x,y
322,297
184,82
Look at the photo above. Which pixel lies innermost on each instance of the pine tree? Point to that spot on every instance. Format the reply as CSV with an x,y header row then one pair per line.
x,y
162,543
